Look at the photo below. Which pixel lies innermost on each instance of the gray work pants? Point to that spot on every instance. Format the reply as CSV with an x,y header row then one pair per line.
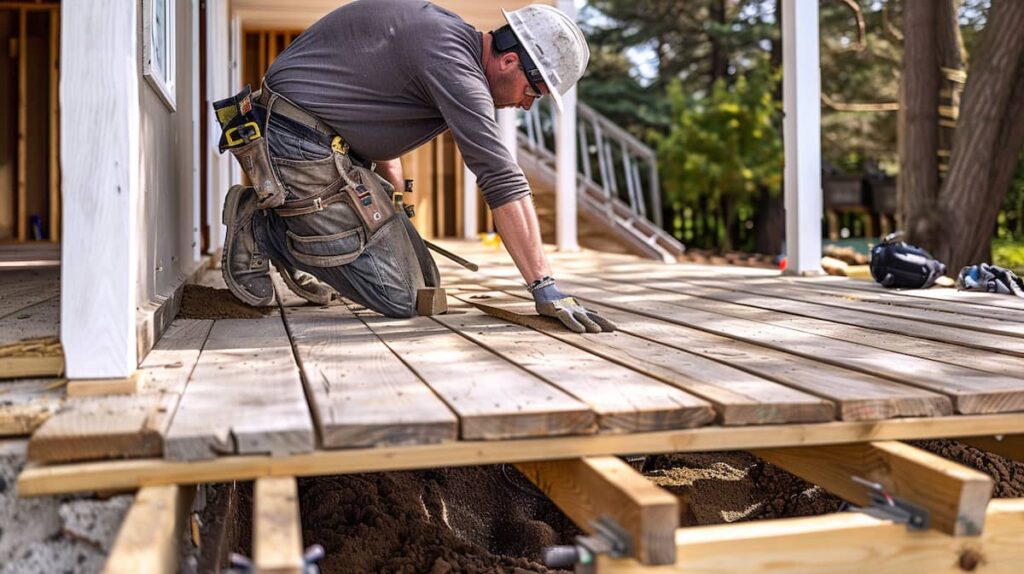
x,y
382,272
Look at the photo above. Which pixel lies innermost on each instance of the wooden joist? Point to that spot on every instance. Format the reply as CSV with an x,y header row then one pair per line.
x,y
38,480
846,543
738,397
260,408
150,536
277,530
592,488
91,428
493,398
955,496
360,393
624,400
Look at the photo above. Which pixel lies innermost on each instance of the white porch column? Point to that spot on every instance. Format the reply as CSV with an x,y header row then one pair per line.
x,y
801,99
99,98
509,132
470,203
565,162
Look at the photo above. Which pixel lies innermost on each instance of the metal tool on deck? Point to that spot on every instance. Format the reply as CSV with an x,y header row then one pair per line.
x,y
410,210
608,538
243,565
888,507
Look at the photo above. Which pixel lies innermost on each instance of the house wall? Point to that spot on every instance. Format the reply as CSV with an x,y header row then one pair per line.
x,y
167,198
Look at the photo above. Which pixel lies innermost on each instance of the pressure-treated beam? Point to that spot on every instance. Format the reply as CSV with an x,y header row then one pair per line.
x,y
277,532
955,496
54,479
1006,446
587,489
149,537
847,543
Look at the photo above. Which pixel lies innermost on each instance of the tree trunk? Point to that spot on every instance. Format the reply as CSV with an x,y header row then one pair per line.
x,y
987,141
918,182
951,66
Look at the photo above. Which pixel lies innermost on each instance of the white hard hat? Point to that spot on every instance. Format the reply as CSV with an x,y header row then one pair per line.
x,y
554,42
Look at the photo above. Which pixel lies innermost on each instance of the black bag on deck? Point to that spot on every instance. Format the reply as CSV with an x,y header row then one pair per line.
x,y
896,263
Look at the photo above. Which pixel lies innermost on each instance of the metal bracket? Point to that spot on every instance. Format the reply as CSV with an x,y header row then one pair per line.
x,y
889,507
608,538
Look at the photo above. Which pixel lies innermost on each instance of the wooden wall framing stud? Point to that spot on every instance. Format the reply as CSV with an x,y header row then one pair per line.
x,y
149,539
955,496
588,488
277,531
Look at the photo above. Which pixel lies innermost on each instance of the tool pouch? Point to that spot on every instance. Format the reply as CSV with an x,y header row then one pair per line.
x,y
369,199
242,132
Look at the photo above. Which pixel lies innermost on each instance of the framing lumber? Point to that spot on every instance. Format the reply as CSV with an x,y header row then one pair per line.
x,y
92,428
104,387
955,496
738,397
971,391
360,393
624,400
277,531
493,398
39,480
54,226
149,539
22,224
587,489
845,543
264,411
1006,446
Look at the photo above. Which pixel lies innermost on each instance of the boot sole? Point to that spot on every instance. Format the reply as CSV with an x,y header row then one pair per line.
x,y
230,205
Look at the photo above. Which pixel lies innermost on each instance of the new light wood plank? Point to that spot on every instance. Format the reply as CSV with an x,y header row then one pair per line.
x,y
360,393
856,395
845,543
28,342
259,407
624,400
103,387
738,397
38,480
811,319
971,391
25,405
955,496
277,530
149,539
92,428
590,488
493,398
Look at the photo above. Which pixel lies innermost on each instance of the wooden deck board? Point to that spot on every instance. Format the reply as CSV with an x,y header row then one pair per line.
x,y
361,394
494,399
624,400
245,396
739,397
90,428
971,391
934,293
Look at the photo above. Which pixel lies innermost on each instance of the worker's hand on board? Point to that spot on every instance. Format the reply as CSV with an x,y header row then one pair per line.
x,y
551,302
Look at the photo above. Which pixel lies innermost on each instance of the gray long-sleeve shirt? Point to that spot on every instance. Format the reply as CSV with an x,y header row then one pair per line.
x,y
390,75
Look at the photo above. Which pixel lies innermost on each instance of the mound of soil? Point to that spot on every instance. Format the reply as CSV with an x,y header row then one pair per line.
x,y
1008,475
478,519
199,302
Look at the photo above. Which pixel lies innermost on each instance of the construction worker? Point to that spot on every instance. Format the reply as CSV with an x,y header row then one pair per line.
x,y
367,83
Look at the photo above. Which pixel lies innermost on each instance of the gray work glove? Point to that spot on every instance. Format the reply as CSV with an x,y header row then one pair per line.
x,y
551,302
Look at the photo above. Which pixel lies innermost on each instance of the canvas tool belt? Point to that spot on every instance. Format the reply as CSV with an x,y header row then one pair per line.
x,y
358,183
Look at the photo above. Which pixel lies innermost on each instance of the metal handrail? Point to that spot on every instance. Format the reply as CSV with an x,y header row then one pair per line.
x,y
627,169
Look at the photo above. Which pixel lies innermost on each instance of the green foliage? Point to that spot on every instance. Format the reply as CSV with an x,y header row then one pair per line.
x,y
1009,254
722,147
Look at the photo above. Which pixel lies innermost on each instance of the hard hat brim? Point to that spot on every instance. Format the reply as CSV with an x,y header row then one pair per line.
x,y
543,72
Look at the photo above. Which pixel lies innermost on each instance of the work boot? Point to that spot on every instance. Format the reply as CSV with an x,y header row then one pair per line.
x,y
246,270
306,286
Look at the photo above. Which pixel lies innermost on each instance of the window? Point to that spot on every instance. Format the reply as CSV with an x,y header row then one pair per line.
x,y
158,47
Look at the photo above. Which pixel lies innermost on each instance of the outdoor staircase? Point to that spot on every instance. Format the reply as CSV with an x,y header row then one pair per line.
x,y
618,196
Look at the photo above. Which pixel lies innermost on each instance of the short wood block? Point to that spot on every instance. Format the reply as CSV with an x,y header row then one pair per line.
x,y
431,301
103,387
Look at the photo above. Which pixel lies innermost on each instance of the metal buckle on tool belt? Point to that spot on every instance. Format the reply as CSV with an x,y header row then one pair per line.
x,y
339,145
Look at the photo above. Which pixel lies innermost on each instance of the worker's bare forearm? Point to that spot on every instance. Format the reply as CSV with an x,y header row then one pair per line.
x,y
391,170
517,224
